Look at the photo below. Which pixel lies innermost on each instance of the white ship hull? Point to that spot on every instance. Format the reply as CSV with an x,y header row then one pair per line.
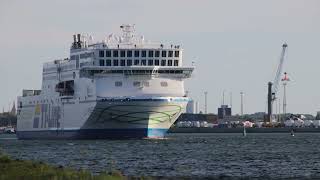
x,y
121,118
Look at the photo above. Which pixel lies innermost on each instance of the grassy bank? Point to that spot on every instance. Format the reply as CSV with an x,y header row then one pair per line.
x,y
24,169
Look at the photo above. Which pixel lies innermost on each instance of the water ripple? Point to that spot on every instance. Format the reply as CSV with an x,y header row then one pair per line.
x,y
183,155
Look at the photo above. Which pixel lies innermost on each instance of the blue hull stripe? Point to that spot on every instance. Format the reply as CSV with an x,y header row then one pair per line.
x,y
93,134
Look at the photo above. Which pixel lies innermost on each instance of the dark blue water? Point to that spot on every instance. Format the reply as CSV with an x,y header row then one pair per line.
x,y
191,155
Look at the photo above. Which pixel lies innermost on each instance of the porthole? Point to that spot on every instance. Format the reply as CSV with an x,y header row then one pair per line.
x,y
164,84
118,83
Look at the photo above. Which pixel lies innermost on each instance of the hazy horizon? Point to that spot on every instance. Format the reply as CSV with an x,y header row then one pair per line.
x,y
235,45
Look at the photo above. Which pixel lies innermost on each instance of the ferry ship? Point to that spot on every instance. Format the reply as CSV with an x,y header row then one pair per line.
x,y
121,87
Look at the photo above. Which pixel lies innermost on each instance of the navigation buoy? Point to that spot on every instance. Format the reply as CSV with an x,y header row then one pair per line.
x,y
292,132
244,133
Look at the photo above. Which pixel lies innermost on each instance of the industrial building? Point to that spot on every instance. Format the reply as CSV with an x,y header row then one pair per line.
x,y
224,111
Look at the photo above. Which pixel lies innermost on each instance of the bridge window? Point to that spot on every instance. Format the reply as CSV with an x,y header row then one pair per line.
x,y
143,53
101,53
89,54
164,53
136,53
163,62
146,84
156,62
136,62
123,62
129,62
150,62
129,53
77,63
157,53
176,62
136,84
150,54
122,53
101,62
108,62
143,62
170,54
115,53
108,53
164,84
115,62
170,62
83,56
176,54
118,83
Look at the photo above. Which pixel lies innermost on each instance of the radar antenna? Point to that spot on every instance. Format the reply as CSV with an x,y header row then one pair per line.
x,y
128,33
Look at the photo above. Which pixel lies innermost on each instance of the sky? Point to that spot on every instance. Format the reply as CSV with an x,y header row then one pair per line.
x,y
235,44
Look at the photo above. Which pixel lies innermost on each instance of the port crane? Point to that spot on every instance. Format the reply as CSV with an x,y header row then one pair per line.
x,y
273,87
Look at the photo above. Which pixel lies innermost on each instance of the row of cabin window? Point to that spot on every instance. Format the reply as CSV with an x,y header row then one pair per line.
x,y
137,53
62,68
139,71
82,56
137,62
138,84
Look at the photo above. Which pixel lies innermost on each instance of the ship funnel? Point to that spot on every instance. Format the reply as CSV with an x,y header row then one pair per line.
x,y
79,40
74,38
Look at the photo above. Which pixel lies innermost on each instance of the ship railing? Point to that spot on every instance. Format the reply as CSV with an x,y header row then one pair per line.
x,y
66,96
155,71
27,92
67,99
139,45
86,64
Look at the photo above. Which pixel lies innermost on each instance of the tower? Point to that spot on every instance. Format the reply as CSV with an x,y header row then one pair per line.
x,y
205,102
285,80
13,110
197,107
241,96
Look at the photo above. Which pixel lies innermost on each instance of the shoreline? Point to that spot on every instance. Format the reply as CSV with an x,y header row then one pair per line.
x,y
174,130
240,130
28,169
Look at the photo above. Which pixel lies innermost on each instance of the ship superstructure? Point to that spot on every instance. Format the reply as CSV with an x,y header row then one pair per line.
x,y
122,87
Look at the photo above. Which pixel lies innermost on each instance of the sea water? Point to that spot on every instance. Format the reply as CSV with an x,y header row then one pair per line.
x,y
182,155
